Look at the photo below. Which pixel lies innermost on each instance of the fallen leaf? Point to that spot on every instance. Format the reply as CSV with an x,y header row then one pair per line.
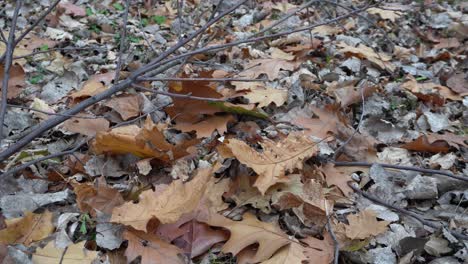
x,y
385,14
364,225
270,67
88,127
146,142
363,52
90,88
170,204
327,122
101,199
337,176
458,83
206,127
27,229
447,43
151,249
193,237
276,159
249,231
39,104
16,82
430,92
71,9
74,254
127,106
291,254
276,53
266,96
188,110
422,144
319,251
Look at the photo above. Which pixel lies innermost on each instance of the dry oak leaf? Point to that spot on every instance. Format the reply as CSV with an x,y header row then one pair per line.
x,y
422,144
266,96
291,254
27,229
363,52
101,199
385,14
206,127
319,251
127,106
276,159
458,83
194,237
146,142
74,254
270,67
250,231
364,225
171,203
337,176
90,88
16,81
429,91
327,122
88,127
152,249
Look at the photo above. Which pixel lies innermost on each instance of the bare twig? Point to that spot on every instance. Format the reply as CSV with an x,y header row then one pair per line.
x,y
2,37
186,96
196,79
336,255
123,36
154,64
50,50
416,216
399,167
10,48
49,113
37,22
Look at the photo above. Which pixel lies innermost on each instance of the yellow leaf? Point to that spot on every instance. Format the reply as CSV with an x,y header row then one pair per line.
x,y
27,229
276,159
75,254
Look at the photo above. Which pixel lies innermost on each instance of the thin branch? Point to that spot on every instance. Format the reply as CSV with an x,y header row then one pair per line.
x,y
399,167
37,22
49,113
176,95
2,37
10,48
123,36
416,216
53,49
196,79
336,255
156,63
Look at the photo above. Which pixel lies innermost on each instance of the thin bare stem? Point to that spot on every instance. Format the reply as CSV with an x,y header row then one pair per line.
x,y
416,216
196,79
49,113
50,50
185,96
123,36
398,167
10,48
2,37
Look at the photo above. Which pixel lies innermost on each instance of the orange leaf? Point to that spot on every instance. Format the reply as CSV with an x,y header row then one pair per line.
x,y
27,229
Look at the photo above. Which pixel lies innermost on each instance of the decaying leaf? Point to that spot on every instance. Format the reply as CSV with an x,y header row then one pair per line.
x,y
74,254
249,231
88,127
145,142
422,144
430,92
127,106
27,229
206,127
270,67
101,199
363,52
151,249
276,159
385,14
266,96
338,177
364,225
170,203
16,81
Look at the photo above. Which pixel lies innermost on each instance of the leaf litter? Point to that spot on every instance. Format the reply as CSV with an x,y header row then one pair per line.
x,y
258,171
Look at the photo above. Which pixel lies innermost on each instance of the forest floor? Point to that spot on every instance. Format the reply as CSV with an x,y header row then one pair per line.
x,y
190,131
